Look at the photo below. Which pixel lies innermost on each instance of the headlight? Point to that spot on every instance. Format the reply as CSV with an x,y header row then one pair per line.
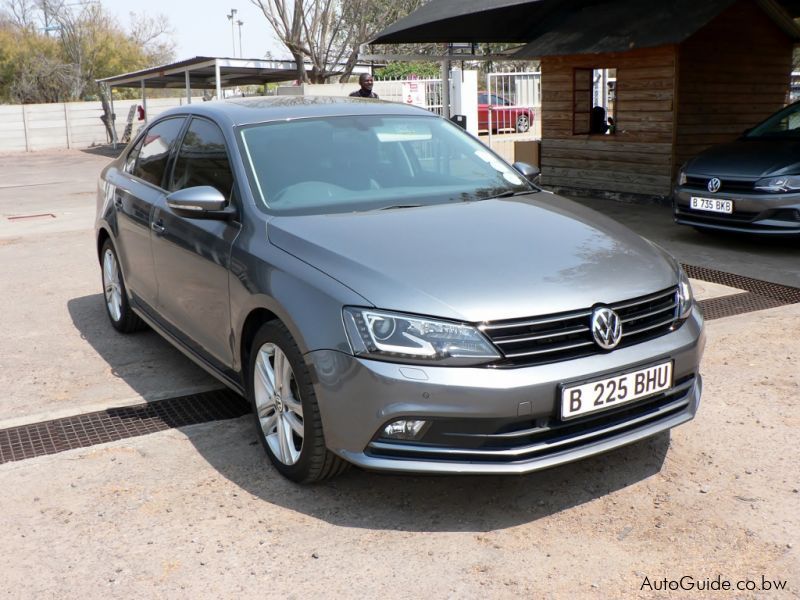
x,y
682,176
406,338
778,185
685,296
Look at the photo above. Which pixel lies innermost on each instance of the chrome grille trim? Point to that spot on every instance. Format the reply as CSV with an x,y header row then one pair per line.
x,y
556,337
534,322
648,328
543,336
643,299
671,307
554,349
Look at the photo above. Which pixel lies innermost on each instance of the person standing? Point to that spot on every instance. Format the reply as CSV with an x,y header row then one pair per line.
x,y
365,91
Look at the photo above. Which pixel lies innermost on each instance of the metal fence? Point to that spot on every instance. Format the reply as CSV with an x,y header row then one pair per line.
x,y
510,103
420,92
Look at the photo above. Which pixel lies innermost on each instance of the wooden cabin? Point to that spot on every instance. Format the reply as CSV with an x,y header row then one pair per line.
x,y
686,74
669,103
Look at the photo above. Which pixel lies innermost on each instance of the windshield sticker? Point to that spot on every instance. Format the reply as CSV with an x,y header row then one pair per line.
x,y
498,166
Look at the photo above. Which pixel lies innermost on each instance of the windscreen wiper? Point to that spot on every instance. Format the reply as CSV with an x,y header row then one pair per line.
x,y
393,206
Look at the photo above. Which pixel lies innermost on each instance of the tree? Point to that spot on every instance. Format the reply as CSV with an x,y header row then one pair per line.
x,y
54,52
403,70
326,34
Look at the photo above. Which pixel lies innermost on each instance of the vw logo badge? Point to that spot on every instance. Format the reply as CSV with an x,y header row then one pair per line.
x,y
714,184
606,327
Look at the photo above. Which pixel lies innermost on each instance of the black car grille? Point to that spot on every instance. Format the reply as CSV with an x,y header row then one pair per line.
x,y
728,185
721,218
488,440
564,336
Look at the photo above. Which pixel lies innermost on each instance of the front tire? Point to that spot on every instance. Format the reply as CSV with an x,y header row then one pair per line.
x,y
285,408
118,309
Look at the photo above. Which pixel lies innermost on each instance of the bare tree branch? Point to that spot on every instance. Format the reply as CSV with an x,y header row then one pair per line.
x,y
327,34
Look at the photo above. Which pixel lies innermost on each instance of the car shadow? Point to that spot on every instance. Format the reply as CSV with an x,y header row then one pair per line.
x,y
358,498
105,150
419,503
145,361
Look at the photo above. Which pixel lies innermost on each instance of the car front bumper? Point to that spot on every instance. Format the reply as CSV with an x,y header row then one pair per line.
x,y
496,421
763,214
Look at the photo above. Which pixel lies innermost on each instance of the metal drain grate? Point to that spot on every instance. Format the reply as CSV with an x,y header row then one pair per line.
x,y
759,295
81,431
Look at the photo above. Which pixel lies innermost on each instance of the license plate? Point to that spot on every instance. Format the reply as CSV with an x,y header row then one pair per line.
x,y
712,205
603,394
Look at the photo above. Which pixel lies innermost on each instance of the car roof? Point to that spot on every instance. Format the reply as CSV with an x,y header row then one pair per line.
x,y
244,111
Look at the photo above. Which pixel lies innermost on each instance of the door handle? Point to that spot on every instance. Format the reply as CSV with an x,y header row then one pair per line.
x,y
158,226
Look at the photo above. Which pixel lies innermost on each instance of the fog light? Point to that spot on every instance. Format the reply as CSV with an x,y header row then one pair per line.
x,y
404,429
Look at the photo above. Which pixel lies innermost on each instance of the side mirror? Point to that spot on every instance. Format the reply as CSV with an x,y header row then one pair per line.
x,y
202,202
529,172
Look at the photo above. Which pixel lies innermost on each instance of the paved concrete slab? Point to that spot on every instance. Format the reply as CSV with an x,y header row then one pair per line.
x,y
59,353
200,512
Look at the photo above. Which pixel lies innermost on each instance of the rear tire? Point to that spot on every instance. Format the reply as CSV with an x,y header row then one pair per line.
x,y
118,309
523,123
285,410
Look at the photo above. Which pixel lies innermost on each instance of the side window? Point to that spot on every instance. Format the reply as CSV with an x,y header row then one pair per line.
x,y
130,162
152,160
202,159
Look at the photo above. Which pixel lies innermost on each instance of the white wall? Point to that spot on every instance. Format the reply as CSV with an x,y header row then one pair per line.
x,y
31,127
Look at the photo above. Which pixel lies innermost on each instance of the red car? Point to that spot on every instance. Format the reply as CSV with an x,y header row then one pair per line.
x,y
505,116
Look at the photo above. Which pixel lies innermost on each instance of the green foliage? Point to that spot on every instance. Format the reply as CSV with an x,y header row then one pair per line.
x,y
402,70
63,66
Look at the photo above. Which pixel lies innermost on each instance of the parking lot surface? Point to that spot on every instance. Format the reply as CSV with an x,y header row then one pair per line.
x,y
197,510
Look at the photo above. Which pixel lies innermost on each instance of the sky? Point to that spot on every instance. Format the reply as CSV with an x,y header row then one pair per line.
x,y
203,29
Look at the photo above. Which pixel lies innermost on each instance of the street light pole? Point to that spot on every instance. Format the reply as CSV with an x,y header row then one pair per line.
x,y
240,23
233,29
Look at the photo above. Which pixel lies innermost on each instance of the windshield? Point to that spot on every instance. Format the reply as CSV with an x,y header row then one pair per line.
x,y
783,124
354,163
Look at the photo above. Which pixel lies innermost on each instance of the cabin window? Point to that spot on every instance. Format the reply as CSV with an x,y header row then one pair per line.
x,y
594,108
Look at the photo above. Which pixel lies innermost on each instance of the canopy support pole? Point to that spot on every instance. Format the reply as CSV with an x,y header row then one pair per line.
x,y
219,80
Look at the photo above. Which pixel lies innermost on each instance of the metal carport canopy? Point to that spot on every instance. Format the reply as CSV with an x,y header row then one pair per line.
x,y
203,72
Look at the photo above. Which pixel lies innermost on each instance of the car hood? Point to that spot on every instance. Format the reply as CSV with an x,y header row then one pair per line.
x,y
751,159
479,261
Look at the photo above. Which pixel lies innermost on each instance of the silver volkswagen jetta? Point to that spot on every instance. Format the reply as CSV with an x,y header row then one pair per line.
x,y
388,292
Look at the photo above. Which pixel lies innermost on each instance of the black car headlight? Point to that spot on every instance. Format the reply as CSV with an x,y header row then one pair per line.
x,y
779,185
407,338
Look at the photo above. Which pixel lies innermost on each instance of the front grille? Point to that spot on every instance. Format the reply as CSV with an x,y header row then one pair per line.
x,y
699,216
728,185
564,336
487,441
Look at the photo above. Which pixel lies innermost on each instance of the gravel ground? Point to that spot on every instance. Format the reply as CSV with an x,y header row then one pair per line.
x,y
199,512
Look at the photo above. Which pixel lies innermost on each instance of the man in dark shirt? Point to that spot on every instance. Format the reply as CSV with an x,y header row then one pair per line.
x,y
365,81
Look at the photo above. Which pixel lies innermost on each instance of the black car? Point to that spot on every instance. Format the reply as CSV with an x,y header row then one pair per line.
x,y
750,185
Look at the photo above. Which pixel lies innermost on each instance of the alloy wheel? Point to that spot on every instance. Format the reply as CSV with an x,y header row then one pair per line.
x,y
111,285
280,411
